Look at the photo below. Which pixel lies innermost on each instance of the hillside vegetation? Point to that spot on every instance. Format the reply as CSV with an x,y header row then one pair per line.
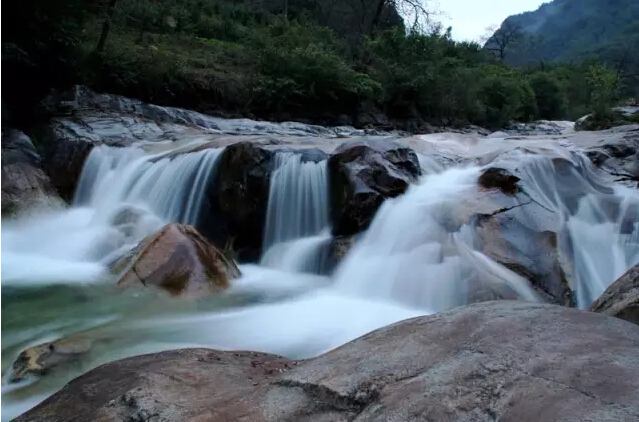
x,y
350,62
563,31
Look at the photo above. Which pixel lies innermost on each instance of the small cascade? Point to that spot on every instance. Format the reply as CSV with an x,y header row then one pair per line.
x,y
409,256
297,213
123,195
169,186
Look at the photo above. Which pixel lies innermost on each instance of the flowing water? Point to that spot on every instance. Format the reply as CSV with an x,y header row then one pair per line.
x,y
418,256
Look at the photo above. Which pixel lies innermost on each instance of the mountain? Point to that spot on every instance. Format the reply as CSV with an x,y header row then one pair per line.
x,y
577,30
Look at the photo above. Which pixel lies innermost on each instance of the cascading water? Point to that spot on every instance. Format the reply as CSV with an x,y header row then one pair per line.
x,y
123,195
297,224
418,256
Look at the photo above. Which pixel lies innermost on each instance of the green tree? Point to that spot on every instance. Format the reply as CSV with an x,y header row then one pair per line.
x,y
604,85
549,96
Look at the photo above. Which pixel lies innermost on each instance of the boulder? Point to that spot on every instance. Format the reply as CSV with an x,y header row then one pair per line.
x,y
179,260
362,174
491,361
531,253
24,184
619,154
237,199
621,298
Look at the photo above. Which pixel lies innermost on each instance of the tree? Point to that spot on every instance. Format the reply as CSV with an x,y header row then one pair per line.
x,y
501,38
604,85
106,26
413,9
549,95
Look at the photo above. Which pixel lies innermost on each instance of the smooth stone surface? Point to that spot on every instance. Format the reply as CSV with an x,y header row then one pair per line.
x,y
621,298
179,260
505,360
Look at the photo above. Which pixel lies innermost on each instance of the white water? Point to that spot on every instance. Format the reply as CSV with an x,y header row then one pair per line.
x,y
408,255
297,212
410,262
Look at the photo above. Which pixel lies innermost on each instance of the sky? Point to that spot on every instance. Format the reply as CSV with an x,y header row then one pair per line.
x,y
470,18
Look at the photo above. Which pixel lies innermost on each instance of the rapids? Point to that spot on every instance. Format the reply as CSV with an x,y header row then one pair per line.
x,y
411,261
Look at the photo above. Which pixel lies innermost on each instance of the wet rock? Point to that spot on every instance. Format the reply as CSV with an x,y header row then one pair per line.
x,y
43,358
237,199
497,178
362,174
621,298
450,366
24,184
529,252
619,154
179,260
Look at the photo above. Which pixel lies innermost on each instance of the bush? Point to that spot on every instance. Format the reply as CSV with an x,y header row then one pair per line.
x,y
549,96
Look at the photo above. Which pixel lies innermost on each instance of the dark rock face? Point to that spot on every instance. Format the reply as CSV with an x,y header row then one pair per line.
x,y
491,361
496,178
362,174
24,184
237,199
619,156
621,298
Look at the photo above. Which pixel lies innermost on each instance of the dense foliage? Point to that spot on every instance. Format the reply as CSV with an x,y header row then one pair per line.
x,y
578,30
240,58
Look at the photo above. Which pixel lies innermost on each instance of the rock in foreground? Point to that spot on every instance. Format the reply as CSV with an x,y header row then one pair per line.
x,y
506,361
179,260
621,298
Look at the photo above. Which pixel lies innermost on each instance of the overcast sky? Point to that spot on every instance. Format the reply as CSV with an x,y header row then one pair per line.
x,y
470,18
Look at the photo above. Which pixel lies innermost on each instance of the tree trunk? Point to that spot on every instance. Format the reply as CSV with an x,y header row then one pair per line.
x,y
106,26
378,14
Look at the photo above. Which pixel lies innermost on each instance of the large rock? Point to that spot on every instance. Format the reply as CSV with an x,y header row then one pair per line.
x,y
362,174
506,361
237,199
619,154
179,260
24,184
621,298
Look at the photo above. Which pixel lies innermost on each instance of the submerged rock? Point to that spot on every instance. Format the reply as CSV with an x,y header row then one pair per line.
x,y
24,184
43,358
492,361
179,260
362,174
621,298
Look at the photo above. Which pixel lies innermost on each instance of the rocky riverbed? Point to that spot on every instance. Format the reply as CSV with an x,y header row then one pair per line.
x,y
130,228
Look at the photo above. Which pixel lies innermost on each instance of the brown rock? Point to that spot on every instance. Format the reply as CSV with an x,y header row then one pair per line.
x,y
492,361
497,178
179,260
621,298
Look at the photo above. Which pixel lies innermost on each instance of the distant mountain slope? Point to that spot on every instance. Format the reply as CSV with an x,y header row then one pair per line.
x,y
576,30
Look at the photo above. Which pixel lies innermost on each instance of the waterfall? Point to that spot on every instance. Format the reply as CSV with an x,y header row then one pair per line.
x,y
297,212
407,255
170,186
123,195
